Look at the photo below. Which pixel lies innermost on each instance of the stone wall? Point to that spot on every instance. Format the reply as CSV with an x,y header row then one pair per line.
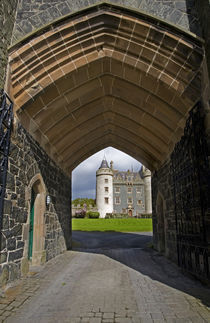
x,y
203,11
28,160
181,205
7,18
33,14
164,225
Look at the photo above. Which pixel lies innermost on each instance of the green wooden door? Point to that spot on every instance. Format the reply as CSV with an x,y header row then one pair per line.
x,y
31,226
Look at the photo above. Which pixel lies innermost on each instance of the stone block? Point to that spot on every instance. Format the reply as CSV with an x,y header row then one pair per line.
x,y
20,244
5,222
10,181
43,257
14,255
3,257
11,244
4,276
2,241
14,271
24,266
25,231
7,207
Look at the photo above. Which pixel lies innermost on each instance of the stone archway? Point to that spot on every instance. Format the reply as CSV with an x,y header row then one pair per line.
x,y
109,76
38,254
103,77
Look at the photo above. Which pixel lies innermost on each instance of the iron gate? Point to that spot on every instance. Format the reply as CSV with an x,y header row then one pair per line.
x,y
190,173
6,118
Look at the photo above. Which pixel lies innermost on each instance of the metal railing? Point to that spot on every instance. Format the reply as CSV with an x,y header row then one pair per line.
x,y
6,120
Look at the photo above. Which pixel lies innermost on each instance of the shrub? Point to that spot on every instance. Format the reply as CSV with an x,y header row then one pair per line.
x,y
80,214
109,216
93,215
116,216
146,216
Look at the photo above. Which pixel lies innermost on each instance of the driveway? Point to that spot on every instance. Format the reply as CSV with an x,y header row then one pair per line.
x,y
109,277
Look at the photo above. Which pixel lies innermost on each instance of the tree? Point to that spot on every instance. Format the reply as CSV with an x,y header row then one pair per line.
x,y
81,201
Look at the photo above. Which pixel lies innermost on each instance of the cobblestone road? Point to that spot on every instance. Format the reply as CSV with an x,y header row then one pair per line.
x,y
106,285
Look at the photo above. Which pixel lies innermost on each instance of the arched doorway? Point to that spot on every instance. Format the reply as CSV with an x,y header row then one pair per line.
x,y
130,213
36,222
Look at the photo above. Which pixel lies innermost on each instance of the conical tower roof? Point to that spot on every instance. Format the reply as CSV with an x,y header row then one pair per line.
x,y
104,164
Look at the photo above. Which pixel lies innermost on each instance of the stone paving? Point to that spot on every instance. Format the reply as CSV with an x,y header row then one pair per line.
x,y
106,286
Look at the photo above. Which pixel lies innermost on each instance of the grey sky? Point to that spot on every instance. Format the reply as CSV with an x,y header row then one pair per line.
x,y
84,175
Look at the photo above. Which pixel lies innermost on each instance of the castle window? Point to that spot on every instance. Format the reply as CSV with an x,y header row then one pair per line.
x,y
106,189
139,191
117,189
117,200
106,200
106,180
129,189
130,200
139,202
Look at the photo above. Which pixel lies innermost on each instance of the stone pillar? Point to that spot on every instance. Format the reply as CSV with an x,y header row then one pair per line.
x,y
7,19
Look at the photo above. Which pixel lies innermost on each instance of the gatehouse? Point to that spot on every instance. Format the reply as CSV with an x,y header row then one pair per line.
x,y
80,76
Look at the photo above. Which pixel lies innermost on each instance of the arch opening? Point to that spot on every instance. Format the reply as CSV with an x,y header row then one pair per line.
x,y
116,183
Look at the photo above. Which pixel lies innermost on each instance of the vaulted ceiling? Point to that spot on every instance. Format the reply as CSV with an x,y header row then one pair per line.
x,y
106,77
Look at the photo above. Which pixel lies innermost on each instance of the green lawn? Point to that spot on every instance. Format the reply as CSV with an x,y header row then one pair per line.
x,y
120,225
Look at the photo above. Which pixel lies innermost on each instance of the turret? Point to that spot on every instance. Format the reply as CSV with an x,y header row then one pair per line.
x,y
104,189
146,176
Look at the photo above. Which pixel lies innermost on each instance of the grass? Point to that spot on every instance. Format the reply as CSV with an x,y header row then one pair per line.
x,y
119,225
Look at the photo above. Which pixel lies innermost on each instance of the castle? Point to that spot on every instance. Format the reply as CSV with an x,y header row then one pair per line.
x,y
126,192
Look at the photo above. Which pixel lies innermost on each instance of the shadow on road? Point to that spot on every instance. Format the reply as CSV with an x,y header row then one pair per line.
x,y
134,250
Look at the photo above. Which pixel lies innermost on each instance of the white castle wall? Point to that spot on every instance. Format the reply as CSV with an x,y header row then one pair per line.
x,y
101,194
147,190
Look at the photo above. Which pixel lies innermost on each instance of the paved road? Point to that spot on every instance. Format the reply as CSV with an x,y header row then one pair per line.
x,y
111,240
111,278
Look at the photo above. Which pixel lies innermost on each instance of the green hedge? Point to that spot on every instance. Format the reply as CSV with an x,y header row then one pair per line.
x,y
80,214
116,216
93,215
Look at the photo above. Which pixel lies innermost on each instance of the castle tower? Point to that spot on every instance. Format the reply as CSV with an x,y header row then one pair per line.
x,y
104,189
146,175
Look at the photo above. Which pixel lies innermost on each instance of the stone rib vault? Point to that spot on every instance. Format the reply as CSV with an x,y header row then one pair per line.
x,y
106,76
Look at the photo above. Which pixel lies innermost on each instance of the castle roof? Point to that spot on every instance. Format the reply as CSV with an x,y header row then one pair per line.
x,y
123,176
104,164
